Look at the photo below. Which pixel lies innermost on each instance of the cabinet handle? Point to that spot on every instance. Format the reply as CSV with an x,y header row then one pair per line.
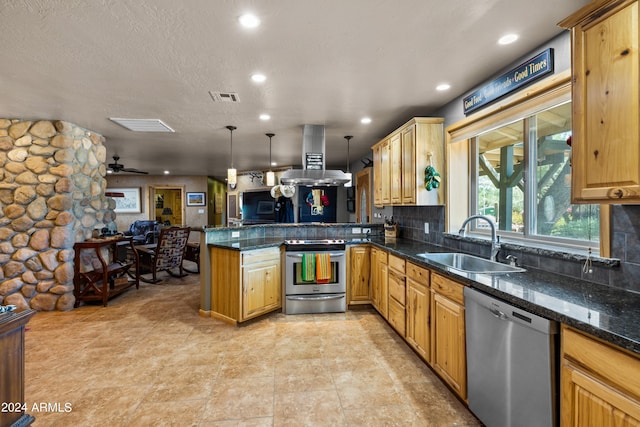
x,y
618,193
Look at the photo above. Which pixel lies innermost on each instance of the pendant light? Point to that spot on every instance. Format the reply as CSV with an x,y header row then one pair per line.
x,y
347,173
232,174
271,177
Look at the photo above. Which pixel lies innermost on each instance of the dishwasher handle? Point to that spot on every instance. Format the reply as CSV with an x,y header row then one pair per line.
x,y
497,313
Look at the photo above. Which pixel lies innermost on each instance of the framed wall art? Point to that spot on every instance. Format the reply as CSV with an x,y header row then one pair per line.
x,y
196,199
130,203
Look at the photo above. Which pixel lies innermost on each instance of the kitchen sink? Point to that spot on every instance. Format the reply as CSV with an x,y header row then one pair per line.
x,y
470,263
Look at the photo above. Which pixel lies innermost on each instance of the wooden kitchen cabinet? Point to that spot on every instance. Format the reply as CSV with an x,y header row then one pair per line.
x,y
600,383
605,102
402,158
418,310
397,294
395,156
244,284
359,274
377,175
261,282
448,349
379,281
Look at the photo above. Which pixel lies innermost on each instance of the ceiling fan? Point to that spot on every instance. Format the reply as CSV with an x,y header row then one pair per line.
x,y
119,167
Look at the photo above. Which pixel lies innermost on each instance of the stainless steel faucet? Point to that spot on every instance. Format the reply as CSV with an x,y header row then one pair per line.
x,y
495,241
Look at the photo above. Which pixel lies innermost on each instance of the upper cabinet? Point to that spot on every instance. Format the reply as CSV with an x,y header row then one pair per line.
x,y
400,160
605,68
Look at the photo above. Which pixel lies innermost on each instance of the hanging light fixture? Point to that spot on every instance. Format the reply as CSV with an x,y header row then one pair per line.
x,y
271,177
232,174
347,173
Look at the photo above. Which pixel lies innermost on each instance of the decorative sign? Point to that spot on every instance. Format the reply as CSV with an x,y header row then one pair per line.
x,y
313,161
533,69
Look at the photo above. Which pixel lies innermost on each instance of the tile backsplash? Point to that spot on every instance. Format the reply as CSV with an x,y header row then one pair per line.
x,y
625,238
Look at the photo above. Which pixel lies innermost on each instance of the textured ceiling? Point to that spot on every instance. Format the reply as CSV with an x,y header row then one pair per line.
x,y
328,62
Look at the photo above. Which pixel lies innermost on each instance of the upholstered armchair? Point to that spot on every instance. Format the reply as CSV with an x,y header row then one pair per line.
x,y
166,255
144,232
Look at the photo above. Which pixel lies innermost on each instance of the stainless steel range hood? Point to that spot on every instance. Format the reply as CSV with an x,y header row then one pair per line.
x,y
313,161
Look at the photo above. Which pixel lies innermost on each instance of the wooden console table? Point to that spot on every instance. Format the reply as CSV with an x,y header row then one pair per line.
x,y
12,368
110,278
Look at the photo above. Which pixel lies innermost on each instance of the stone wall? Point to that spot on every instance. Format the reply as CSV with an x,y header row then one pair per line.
x,y
51,195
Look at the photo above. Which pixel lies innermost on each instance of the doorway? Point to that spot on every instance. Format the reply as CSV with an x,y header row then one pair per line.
x,y
363,196
166,205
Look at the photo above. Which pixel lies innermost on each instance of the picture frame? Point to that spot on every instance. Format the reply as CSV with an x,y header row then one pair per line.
x,y
130,203
196,199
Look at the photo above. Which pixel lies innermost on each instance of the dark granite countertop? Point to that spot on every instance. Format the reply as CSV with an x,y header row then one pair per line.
x,y
608,313
605,312
249,244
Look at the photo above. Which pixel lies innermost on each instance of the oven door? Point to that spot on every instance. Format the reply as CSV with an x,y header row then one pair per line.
x,y
294,285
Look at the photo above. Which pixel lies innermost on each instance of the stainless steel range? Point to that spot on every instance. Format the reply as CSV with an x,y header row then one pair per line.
x,y
309,290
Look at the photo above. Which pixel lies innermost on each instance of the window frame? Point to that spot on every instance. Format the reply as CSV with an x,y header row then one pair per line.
x,y
523,105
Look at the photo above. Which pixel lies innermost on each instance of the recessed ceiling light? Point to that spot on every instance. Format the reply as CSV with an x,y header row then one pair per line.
x,y
264,117
274,164
249,20
443,86
508,39
258,78
365,120
167,172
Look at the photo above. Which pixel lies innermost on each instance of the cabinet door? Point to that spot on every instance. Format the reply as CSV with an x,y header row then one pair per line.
x,y
409,165
448,340
383,297
606,139
359,257
261,288
377,175
418,307
588,402
396,168
385,172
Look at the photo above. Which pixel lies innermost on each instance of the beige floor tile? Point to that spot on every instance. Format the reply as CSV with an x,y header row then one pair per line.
x,y
310,408
150,359
240,399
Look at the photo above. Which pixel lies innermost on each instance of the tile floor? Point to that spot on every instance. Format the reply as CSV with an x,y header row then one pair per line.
x,y
148,359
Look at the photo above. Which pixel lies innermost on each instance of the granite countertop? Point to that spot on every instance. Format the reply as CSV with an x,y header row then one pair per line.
x,y
608,313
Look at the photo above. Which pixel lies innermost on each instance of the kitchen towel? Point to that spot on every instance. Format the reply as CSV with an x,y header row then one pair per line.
x,y
308,267
323,268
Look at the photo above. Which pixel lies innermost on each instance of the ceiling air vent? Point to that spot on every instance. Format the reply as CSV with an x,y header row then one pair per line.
x,y
143,125
224,96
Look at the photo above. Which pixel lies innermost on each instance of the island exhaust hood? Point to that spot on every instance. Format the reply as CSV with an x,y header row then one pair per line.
x,y
313,162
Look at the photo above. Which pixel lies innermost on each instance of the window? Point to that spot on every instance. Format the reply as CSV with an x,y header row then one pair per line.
x,y
521,178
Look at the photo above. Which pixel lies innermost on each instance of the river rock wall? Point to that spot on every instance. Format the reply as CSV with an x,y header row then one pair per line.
x,y
52,185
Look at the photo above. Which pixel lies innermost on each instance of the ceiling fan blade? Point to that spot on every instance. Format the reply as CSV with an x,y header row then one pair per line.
x,y
131,170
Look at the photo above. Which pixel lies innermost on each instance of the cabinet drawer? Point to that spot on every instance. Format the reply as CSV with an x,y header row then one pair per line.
x,y
419,274
397,288
381,257
396,263
397,316
448,288
616,365
260,255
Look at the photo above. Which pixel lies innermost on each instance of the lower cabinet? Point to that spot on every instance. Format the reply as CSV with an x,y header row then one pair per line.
x,y
380,281
448,349
600,384
359,275
261,282
397,295
244,284
418,309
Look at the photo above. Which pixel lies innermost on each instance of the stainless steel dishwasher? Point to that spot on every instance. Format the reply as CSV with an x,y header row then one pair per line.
x,y
511,363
